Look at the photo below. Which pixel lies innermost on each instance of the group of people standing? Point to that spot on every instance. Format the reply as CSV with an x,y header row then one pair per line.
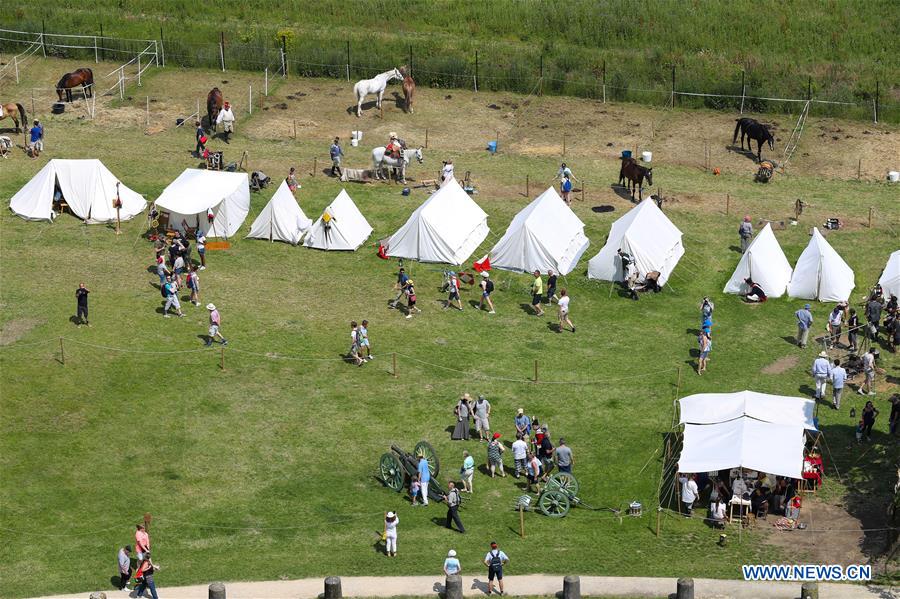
x,y
141,564
360,348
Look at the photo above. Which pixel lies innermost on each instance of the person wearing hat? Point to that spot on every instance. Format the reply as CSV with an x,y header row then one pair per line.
x,y
452,499
451,564
215,321
391,520
523,423
487,287
337,154
226,119
494,560
393,147
821,372
410,290
482,412
745,231
36,140
446,172
453,289
804,321
463,411
495,451
124,561
400,287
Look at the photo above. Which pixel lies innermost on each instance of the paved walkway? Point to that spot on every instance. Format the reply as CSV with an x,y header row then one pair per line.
x,y
532,585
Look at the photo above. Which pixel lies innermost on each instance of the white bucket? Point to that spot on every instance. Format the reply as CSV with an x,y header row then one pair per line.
x,y
357,135
893,176
354,142
646,156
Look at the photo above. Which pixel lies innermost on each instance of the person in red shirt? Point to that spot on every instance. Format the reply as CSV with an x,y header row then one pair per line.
x,y
141,542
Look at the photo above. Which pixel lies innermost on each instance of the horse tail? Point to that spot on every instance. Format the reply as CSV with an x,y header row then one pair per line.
x,y
90,76
23,118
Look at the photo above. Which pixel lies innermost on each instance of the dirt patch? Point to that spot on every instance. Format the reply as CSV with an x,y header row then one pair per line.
x,y
833,536
15,329
781,365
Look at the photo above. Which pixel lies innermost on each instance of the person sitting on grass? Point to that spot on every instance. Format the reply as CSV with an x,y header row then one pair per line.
x,y
755,293
717,512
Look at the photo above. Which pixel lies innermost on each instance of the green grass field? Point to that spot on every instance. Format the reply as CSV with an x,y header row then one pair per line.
x,y
267,469
841,50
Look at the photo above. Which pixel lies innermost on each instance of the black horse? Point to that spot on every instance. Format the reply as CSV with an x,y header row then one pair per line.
x,y
635,173
628,160
753,130
213,107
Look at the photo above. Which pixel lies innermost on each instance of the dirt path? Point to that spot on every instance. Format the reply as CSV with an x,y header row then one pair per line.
x,y
532,585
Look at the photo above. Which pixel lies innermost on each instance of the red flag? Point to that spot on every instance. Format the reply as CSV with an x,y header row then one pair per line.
x,y
483,264
382,252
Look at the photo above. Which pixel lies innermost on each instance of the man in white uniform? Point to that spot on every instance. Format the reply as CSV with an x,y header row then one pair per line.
x,y
226,119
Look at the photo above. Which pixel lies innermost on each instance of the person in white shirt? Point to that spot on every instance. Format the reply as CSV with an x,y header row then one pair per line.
x,y
689,493
868,360
226,119
446,172
717,512
564,311
835,320
520,453
821,372
391,520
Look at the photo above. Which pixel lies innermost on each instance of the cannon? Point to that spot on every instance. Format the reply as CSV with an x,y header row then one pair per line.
x,y
557,497
398,467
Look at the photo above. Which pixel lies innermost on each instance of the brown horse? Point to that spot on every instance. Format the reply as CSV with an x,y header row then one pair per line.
x,y
213,106
16,112
83,77
635,173
409,89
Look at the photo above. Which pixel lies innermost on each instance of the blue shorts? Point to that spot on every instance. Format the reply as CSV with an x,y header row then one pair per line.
x,y
498,573
704,355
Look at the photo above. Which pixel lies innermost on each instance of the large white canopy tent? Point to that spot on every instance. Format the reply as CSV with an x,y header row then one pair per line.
x,y
649,236
544,235
195,193
765,263
282,219
890,277
746,429
820,273
340,227
446,228
87,186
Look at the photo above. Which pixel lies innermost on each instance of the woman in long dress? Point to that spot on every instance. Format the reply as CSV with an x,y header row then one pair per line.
x,y
463,411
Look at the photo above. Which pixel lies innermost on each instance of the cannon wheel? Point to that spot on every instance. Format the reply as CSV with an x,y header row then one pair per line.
x,y
563,481
554,504
424,448
391,471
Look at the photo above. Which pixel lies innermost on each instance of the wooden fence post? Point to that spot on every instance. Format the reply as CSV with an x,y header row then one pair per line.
x,y
348,60
527,186
394,361
222,50
315,165
476,70
521,521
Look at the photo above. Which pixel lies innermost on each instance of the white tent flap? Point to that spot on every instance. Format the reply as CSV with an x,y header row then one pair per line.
x,y
282,219
87,187
649,236
545,235
746,443
890,278
765,263
713,408
340,227
446,228
195,192
820,273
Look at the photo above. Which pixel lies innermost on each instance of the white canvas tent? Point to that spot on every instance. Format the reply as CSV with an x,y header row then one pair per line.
x,y
341,226
821,273
545,235
446,228
195,192
745,429
765,263
890,278
646,234
281,219
87,186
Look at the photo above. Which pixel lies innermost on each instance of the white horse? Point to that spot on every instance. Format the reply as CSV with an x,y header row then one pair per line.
x,y
380,161
375,86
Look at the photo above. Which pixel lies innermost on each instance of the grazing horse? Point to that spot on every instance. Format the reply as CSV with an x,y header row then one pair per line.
x,y
754,130
83,77
635,173
16,112
375,86
213,106
380,160
409,90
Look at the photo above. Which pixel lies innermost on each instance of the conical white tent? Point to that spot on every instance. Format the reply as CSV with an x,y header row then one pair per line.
x,y
87,186
765,263
195,193
821,273
890,278
646,234
545,235
446,228
341,226
281,219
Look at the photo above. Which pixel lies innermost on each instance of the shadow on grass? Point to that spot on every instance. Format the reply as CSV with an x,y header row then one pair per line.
x,y
351,110
622,192
735,248
790,339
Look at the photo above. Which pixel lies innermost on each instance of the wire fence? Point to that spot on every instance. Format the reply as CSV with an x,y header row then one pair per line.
x,y
493,68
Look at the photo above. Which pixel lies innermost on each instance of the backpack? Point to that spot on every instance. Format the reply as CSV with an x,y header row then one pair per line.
x,y
496,563
567,185
162,290
489,286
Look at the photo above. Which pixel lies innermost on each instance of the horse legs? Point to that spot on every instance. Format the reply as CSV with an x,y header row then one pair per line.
x,y
359,103
759,145
378,103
